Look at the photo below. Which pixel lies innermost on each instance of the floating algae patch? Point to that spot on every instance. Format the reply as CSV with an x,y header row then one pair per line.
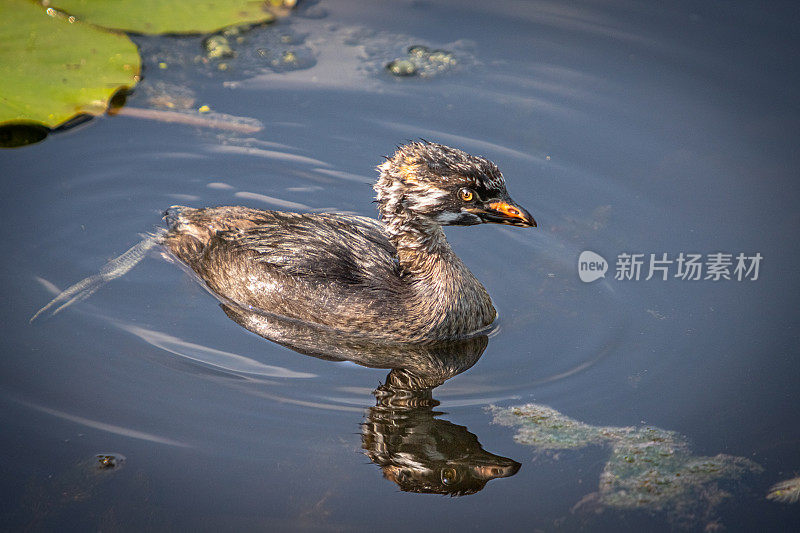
x,y
248,51
546,428
787,491
665,477
649,468
377,53
278,51
218,47
422,61
233,54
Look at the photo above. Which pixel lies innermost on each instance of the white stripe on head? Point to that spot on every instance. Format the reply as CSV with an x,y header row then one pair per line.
x,y
424,201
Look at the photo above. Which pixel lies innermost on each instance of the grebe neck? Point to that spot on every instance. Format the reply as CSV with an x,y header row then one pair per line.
x,y
419,244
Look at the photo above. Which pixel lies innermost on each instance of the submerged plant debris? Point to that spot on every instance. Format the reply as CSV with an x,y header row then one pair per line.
x,y
787,491
649,468
165,95
81,487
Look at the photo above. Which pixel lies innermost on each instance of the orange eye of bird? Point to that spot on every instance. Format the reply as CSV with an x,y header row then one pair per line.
x,y
467,195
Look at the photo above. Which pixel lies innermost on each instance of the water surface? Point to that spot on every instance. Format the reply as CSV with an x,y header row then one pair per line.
x,y
621,127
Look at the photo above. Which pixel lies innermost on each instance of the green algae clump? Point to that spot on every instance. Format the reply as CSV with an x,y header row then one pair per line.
x,y
422,61
649,468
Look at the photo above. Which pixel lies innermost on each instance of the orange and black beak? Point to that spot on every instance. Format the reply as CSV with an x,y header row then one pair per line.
x,y
505,211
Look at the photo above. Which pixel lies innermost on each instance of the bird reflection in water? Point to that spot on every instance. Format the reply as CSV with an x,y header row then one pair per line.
x,y
401,433
422,453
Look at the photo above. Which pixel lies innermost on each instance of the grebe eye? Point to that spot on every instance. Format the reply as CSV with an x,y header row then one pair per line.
x,y
466,195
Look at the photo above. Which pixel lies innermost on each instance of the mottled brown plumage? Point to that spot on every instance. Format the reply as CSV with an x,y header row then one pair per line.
x,y
395,279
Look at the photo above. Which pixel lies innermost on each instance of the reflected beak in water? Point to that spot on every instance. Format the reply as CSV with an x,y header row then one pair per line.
x,y
497,470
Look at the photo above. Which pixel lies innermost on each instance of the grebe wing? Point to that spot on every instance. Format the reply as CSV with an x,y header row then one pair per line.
x,y
318,248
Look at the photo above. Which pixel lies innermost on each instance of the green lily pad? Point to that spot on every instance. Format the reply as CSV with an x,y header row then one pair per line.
x,y
52,70
170,16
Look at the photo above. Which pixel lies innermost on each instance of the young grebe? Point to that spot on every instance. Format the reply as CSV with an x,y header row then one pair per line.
x,y
397,279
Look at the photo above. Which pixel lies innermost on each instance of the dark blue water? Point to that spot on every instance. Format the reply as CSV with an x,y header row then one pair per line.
x,y
622,127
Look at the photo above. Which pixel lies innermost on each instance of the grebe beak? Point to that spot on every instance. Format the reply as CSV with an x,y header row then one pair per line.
x,y
506,212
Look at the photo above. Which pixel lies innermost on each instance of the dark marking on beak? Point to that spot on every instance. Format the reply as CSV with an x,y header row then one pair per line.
x,y
506,212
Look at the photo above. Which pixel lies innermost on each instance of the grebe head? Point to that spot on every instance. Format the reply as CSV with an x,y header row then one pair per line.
x,y
430,184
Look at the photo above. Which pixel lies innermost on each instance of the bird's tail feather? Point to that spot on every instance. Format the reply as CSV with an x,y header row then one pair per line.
x,y
112,270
